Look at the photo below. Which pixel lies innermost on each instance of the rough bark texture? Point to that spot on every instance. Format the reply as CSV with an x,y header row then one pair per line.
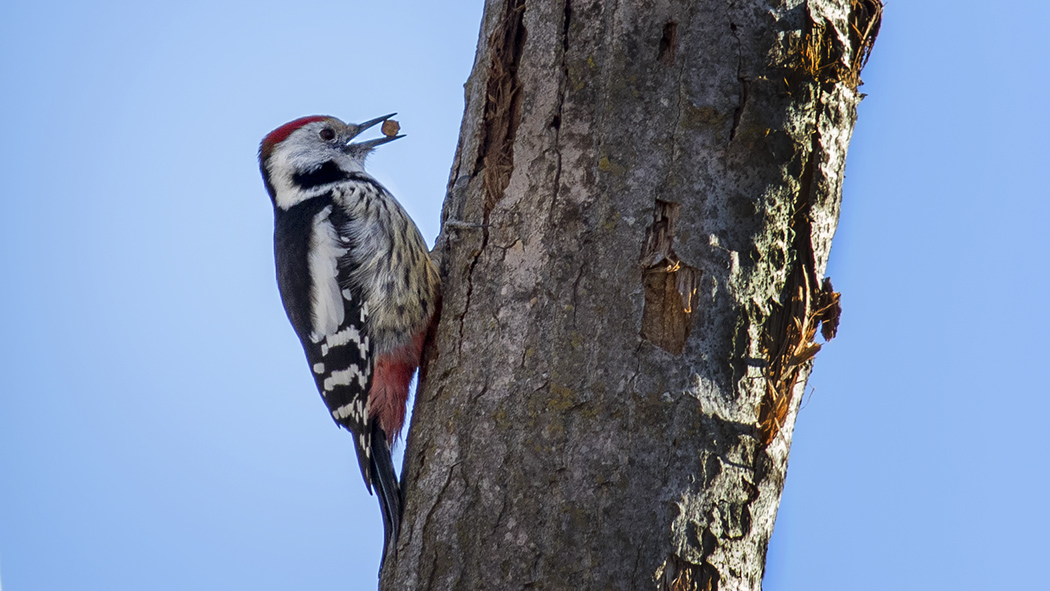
x,y
636,231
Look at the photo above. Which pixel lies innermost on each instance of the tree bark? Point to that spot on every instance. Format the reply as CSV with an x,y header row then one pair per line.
x,y
633,250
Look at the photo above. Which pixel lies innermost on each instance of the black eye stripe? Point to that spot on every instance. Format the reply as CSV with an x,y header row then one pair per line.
x,y
327,134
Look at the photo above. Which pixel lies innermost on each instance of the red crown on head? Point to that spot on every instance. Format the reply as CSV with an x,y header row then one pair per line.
x,y
281,133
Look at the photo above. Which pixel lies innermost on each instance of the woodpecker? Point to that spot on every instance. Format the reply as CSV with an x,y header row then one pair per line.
x,y
357,283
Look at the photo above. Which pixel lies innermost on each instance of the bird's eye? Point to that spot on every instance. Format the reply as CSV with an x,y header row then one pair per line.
x,y
327,134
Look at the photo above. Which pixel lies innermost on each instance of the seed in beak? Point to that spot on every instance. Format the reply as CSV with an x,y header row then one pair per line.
x,y
390,128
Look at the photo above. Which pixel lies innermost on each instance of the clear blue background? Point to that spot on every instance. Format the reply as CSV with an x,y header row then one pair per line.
x,y
159,428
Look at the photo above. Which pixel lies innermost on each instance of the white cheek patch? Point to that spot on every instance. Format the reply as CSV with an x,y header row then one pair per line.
x,y
286,194
301,152
325,295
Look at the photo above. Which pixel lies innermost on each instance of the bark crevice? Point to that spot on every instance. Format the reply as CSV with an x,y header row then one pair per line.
x,y
556,122
503,104
743,80
500,120
668,43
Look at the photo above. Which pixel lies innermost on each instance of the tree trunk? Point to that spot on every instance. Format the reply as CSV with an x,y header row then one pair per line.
x,y
634,242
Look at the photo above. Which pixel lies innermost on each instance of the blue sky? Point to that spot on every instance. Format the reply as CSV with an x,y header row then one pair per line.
x,y
158,427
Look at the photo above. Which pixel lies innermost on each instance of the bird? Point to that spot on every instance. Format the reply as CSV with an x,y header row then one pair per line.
x,y
357,283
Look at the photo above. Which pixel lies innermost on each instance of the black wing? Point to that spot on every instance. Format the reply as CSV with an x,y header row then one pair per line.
x,y
340,354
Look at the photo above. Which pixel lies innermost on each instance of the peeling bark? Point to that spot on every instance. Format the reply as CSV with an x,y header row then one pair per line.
x,y
633,249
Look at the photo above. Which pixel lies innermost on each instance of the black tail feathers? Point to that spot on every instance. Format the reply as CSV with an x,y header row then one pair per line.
x,y
384,482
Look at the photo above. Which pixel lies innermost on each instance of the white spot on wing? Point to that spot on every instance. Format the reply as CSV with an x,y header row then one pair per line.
x,y
318,368
356,409
343,337
344,377
347,335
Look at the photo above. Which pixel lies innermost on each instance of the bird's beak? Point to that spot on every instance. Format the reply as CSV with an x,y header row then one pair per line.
x,y
371,144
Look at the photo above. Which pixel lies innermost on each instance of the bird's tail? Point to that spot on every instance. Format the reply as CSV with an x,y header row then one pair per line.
x,y
384,482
